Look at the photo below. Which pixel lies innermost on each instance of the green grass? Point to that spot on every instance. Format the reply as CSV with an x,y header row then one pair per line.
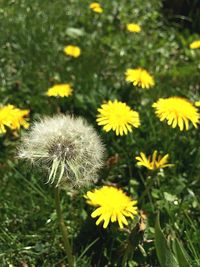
x,y
33,34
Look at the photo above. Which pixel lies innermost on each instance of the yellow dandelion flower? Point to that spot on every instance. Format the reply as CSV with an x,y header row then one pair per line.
x,y
177,111
96,7
13,118
117,116
140,77
112,205
133,27
153,163
72,50
197,104
195,44
62,90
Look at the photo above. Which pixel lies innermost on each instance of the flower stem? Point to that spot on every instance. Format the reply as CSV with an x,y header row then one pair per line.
x,y
147,191
63,228
124,260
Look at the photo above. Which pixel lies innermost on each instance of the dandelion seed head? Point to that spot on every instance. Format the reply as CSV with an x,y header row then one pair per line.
x,y
68,148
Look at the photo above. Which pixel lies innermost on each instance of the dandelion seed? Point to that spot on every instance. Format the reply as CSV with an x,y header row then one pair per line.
x,y
177,111
195,44
13,118
113,205
153,163
133,27
72,50
60,90
140,77
96,7
118,117
68,148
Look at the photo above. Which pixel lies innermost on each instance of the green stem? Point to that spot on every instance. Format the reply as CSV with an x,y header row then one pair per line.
x,y
63,228
124,260
147,192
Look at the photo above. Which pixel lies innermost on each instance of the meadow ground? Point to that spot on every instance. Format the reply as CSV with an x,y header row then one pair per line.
x,y
165,231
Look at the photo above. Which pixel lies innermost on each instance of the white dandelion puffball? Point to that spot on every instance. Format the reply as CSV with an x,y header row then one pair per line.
x,y
67,147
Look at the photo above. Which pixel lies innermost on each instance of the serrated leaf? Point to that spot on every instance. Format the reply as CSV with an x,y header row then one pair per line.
x,y
180,254
165,256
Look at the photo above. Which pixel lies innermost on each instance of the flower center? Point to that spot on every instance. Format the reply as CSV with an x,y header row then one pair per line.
x,y
62,149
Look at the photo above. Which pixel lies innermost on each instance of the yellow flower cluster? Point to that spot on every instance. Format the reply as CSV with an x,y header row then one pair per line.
x,y
65,90
120,118
96,7
153,163
72,50
140,77
117,116
13,118
177,111
112,204
62,90
133,27
195,44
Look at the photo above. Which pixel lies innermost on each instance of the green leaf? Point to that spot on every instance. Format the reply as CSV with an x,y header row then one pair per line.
x,y
180,253
165,256
169,197
74,32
